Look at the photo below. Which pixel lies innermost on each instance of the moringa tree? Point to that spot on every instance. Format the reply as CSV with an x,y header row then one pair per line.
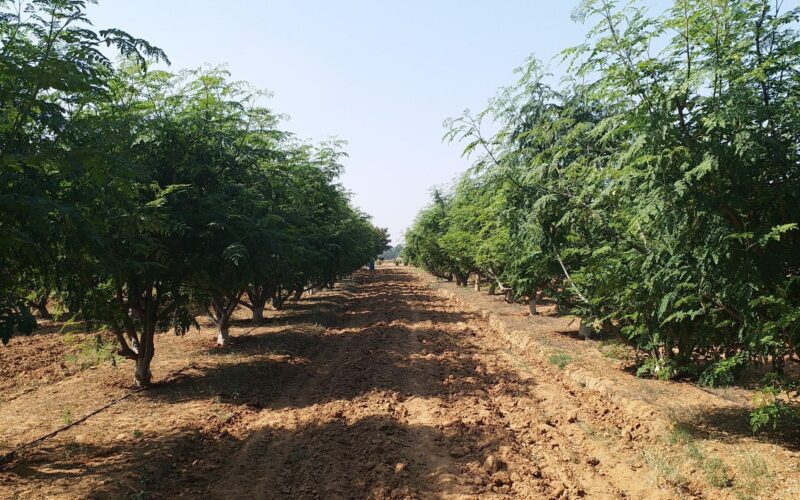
x,y
670,124
51,67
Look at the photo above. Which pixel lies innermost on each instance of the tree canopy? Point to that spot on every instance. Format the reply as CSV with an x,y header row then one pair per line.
x,y
140,197
653,191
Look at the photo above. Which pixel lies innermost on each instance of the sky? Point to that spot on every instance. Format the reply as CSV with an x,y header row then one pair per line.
x,y
381,75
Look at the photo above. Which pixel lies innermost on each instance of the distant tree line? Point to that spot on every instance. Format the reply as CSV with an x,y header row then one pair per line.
x,y
392,253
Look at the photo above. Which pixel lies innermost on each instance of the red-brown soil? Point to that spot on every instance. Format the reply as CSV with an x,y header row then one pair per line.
x,y
392,386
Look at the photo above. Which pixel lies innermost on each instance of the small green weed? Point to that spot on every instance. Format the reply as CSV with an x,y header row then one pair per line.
x,y
694,452
560,359
716,473
754,476
66,416
665,468
680,434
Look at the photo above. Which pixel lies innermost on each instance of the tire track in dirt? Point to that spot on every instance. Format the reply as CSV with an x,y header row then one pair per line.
x,y
409,396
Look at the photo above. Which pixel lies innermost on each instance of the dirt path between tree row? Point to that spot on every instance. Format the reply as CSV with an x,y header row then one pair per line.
x,y
385,390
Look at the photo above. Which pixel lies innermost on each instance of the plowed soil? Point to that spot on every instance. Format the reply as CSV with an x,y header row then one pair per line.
x,y
387,387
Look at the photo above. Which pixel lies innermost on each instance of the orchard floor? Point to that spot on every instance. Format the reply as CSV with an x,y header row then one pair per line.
x,y
392,386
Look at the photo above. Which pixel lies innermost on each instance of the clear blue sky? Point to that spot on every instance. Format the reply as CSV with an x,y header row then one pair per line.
x,y
381,75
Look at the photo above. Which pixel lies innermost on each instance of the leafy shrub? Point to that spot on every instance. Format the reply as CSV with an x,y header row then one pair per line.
x,y
776,401
94,352
662,369
724,372
644,192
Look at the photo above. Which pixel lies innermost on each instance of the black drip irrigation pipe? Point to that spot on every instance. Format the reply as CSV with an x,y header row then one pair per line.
x,y
10,456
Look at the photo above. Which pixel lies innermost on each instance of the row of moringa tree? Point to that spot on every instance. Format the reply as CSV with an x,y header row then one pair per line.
x,y
656,190
137,197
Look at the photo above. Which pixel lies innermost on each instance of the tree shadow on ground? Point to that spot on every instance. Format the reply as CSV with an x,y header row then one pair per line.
x,y
368,457
399,311
735,422
297,367
373,456
301,364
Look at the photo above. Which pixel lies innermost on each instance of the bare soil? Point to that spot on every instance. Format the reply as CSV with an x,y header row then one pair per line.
x,y
392,386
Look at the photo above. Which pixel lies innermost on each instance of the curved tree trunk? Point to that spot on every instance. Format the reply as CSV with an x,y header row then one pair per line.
x,y
40,305
221,311
42,311
257,297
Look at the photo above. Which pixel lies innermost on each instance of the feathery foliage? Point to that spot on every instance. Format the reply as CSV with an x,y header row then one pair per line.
x,y
655,190
139,198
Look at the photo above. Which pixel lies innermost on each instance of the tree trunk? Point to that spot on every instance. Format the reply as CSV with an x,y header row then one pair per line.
x,y
532,303
586,330
477,283
492,288
39,305
258,299
277,299
258,313
41,309
135,343
298,294
222,338
222,309
143,377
